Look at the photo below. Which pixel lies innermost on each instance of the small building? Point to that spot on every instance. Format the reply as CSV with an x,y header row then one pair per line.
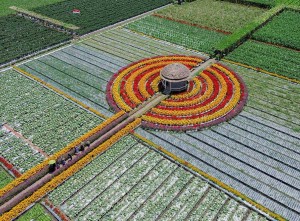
x,y
175,78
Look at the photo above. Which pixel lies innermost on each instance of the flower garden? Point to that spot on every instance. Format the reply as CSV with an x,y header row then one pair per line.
x,y
225,149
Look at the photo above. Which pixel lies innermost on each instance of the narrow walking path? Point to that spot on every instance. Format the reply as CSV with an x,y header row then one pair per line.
x,y
19,135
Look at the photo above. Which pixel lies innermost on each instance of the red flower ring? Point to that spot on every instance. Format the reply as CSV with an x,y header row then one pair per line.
x,y
214,96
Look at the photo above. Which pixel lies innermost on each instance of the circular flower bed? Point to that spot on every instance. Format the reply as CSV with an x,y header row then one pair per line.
x,y
215,95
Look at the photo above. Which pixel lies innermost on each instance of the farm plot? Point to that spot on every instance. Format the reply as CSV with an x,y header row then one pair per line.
x,y
17,152
284,29
20,37
132,181
40,115
5,177
257,152
84,69
181,34
37,212
279,60
96,14
219,15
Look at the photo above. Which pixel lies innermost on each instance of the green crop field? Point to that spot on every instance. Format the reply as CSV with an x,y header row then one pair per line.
x,y
20,37
245,167
220,15
28,4
177,33
97,14
282,61
284,30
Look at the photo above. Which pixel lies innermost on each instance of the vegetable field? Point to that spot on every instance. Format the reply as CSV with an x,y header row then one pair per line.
x,y
279,60
84,69
220,15
40,115
177,33
20,37
96,14
132,181
17,152
258,151
37,212
284,30
5,178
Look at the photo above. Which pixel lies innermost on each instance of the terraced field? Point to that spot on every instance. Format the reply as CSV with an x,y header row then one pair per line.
x,y
133,182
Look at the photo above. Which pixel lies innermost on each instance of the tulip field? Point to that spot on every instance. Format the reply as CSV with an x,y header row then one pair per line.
x,y
227,149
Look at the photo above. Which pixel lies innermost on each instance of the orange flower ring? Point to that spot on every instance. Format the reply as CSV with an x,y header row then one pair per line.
x,y
215,95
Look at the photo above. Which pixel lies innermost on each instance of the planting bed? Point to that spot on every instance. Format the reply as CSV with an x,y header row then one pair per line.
x,y
96,14
219,15
283,30
40,115
132,181
186,35
20,37
214,96
37,212
257,152
271,58
5,177
84,69
17,152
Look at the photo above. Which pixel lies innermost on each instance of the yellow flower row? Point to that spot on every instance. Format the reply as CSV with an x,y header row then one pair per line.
x,y
122,74
196,89
142,83
198,100
18,209
58,154
193,111
130,81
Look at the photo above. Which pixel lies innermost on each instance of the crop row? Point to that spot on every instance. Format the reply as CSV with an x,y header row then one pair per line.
x,y
37,212
137,183
95,15
177,33
5,178
45,118
84,69
221,15
282,30
20,37
268,57
18,153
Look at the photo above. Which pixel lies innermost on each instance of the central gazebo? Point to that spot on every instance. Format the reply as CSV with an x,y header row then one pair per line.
x,y
175,78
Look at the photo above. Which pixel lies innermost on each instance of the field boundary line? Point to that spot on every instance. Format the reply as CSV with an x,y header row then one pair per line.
x,y
216,182
33,54
35,57
44,18
58,91
263,71
168,43
191,24
9,167
118,24
57,180
19,135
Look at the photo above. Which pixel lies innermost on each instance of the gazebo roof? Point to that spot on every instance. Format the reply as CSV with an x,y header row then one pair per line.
x,y
175,72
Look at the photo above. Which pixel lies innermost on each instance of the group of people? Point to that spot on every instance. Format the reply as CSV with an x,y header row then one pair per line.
x,y
76,151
